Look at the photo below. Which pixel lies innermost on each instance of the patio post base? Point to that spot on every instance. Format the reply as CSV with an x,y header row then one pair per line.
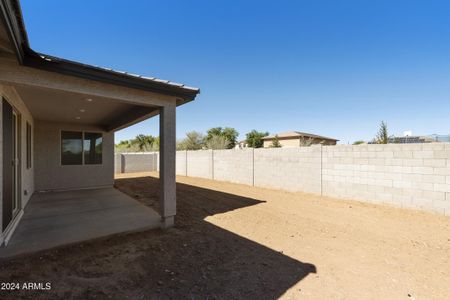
x,y
167,222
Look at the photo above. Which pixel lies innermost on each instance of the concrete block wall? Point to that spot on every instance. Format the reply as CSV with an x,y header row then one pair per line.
x,y
181,163
118,163
200,164
290,169
234,165
136,162
405,175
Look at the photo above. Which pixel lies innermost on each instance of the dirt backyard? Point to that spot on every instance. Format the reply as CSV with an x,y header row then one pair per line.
x,y
239,242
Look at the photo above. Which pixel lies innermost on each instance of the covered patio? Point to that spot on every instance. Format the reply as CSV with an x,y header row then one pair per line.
x,y
58,119
62,218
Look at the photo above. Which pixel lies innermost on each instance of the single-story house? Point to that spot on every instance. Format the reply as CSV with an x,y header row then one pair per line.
x,y
297,139
58,118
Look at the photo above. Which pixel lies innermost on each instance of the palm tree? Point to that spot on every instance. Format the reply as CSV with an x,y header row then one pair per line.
x,y
143,142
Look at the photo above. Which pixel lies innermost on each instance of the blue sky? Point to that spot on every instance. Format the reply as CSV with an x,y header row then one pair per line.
x,y
335,68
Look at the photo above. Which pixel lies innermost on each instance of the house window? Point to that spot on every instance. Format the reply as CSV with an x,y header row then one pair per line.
x,y
81,148
71,148
29,140
93,144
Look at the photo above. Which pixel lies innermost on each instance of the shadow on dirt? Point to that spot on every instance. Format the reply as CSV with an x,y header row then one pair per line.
x,y
194,260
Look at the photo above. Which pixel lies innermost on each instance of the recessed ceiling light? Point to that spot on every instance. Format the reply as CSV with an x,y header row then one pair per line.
x,y
77,118
82,110
89,99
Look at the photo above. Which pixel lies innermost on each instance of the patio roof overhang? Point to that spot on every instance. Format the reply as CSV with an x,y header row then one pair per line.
x,y
54,97
85,109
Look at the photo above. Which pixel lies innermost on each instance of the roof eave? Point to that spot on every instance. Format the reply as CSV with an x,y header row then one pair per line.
x,y
70,68
10,12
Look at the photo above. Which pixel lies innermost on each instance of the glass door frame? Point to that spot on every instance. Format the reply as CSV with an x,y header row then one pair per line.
x,y
16,203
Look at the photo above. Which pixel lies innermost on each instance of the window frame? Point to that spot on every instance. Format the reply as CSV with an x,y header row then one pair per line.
x,y
82,146
29,145
83,151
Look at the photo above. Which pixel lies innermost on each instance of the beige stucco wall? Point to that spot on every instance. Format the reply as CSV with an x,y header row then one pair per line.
x,y
284,143
51,175
295,142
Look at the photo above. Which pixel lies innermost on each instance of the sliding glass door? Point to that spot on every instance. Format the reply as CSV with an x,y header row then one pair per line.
x,y
16,164
11,163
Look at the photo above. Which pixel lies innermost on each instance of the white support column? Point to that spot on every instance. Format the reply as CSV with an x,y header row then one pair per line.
x,y
167,157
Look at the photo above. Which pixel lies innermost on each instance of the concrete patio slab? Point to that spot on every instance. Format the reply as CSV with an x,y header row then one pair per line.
x,y
59,218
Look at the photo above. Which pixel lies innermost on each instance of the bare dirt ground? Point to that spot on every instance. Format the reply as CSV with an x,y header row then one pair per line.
x,y
239,242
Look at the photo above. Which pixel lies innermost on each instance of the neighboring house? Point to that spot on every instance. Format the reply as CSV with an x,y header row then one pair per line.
x,y
298,139
58,119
